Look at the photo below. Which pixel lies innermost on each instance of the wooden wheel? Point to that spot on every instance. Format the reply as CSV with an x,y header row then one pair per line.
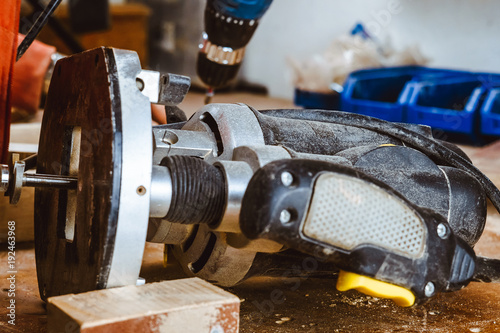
x,y
96,126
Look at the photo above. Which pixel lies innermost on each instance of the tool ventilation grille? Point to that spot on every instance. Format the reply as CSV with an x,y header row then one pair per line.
x,y
346,212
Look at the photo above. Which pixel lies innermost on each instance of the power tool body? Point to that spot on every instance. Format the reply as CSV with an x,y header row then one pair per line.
x,y
235,192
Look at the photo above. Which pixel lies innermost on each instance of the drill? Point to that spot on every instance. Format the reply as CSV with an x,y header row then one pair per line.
x,y
229,26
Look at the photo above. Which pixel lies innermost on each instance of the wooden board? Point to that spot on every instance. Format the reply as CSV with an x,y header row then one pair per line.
x,y
157,307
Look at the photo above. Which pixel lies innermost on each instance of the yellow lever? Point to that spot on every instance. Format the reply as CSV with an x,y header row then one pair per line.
x,y
400,296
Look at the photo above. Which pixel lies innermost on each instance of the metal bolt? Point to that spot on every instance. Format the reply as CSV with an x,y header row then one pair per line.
x,y
285,216
140,281
4,184
286,178
429,289
18,173
442,231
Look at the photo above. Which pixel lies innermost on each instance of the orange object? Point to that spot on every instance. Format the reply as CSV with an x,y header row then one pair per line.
x,y
30,71
158,112
9,23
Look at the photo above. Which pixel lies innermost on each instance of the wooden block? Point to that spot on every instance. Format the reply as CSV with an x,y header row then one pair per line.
x,y
23,140
22,213
186,305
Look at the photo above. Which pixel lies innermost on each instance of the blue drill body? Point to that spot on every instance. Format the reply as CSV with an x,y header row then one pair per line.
x,y
242,9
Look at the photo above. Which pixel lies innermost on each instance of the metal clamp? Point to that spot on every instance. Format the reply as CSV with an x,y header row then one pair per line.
x,y
17,185
165,89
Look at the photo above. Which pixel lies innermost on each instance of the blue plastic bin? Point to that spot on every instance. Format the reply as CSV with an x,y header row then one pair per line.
x,y
490,114
460,106
489,79
384,92
315,100
450,106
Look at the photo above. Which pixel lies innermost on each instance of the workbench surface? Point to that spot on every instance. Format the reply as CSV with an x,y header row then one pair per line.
x,y
308,305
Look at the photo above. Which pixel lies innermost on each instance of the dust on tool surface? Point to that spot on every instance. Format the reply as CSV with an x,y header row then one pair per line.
x,y
260,170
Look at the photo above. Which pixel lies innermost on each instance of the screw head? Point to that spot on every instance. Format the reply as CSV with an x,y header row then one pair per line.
x,y
140,281
430,289
141,190
286,178
442,231
285,216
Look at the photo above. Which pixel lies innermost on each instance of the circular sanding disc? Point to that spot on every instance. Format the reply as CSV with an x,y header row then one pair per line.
x,y
97,127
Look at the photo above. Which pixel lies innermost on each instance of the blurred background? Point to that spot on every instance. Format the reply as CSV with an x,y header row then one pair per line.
x,y
458,34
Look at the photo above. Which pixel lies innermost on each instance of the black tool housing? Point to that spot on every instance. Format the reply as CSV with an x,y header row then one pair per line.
x,y
447,262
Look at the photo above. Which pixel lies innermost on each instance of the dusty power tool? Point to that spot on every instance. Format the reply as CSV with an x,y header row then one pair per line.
x,y
236,192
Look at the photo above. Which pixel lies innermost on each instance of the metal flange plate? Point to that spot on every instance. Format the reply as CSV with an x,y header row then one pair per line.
x,y
97,127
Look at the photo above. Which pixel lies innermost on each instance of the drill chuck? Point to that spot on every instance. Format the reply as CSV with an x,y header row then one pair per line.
x,y
229,26
217,65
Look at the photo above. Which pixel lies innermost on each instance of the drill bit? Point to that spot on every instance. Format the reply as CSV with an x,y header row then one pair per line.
x,y
209,95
